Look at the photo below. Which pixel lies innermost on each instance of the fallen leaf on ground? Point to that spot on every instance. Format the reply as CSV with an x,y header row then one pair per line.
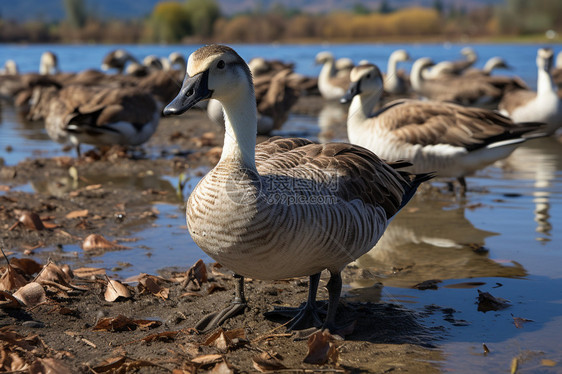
x,y
487,302
321,348
87,272
77,214
162,336
116,290
207,359
53,273
11,280
547,362
151,284
8,301
96,241
26,265
31,221
268,362
122,323
221,368
31,294
49,366
196,275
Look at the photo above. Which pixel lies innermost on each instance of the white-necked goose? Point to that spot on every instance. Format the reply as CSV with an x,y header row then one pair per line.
x,y
455,67
396,82
117,59
459,89
557,71
452,140
330,85
288,207
544,105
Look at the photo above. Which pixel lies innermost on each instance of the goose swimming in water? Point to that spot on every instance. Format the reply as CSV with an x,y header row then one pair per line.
x,y
287,207
330,84
452,140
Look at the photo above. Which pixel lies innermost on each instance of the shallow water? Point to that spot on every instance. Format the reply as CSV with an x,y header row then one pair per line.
x,y
504,238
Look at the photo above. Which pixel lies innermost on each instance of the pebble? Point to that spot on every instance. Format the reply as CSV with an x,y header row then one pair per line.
x,y
33,324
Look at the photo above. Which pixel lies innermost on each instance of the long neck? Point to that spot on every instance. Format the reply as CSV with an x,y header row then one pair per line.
x,y
391,67
240,117
361,108
545,84
416,78
328,70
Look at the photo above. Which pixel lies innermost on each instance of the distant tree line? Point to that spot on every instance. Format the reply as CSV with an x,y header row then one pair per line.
x,y
202,21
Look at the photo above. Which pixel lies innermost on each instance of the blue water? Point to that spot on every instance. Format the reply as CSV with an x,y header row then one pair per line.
x,y
513,210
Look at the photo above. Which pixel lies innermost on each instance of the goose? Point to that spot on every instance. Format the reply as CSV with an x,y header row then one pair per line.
x,y
452,140
10,68
343,66
490,65
260,67
48,64
330,85
259,210
458,89
96,115
542,106
117,59
395,81
456,67
178,64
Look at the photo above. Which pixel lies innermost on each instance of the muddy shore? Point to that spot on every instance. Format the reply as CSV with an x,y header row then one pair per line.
x,y
73,201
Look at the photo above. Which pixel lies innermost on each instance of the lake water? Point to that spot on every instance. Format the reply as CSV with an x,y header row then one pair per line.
x,y
504,238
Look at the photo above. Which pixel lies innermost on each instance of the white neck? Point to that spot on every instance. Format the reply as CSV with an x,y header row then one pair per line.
x,y
328,70
361,108
416,78
489,66
240,117
545,84
391,67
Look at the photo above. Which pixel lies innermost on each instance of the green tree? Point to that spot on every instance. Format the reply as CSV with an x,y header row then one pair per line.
x,y
385,7
75,12
170,22
202,16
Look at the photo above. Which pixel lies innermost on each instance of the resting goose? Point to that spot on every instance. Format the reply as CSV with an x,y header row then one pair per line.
x,y
330,85
458,89
542,106
117,59
452,140
10,68
490,65
48,64
96,115
456,67
288,207
395,82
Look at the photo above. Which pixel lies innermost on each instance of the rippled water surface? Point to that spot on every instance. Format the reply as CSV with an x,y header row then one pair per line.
x,y
504,238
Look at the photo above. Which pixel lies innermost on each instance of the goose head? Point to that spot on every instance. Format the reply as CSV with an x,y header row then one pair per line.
x,y
177,58
324,57
366,81
496,63
258,66
214,71
48,63
11,68
399,55
116,59
420,65
469,53
545,58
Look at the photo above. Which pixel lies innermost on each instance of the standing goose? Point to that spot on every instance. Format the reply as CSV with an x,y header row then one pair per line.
x,y
452,140
330,84
288,207
395,81
542,106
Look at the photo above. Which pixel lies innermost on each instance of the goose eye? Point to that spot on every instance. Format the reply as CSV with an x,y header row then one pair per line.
x,y
368,76
221,64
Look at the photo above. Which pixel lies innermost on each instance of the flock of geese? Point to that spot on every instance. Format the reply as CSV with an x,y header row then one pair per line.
x,y
289,207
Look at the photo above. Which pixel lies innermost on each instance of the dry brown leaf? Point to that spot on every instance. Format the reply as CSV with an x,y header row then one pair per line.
x,y
11,280
321,348
96,242
110,364
122,323
115,290
86,272
214,287
12,362
207,359
221,368
487,302
26,265
519,322
4,188
92,187
77,214
196,275
162,336
151,284
31,294
48,366
52,273
11,337
268,362
548,362
8,301
31,221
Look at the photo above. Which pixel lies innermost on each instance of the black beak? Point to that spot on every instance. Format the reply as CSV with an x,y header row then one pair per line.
x,y
354,89
193,90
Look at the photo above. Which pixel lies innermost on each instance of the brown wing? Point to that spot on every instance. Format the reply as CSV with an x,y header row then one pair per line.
x,y
459,89
516,98
348,171
431,123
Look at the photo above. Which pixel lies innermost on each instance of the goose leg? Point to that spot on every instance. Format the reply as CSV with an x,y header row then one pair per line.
x,y
305,316
462,182
238,305
334,290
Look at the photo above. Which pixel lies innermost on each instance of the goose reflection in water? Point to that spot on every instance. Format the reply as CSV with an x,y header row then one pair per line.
x,y
539,160
428,240
332,120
